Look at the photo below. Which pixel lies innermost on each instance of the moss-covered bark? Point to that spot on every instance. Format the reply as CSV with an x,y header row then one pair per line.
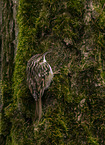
x,y
7,59
0,70
74,105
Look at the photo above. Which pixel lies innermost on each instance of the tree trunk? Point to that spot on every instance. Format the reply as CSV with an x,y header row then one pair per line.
x,y
8,40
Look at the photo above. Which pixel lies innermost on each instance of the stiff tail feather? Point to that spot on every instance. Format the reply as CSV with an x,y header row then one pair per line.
x,y
36,110
40,107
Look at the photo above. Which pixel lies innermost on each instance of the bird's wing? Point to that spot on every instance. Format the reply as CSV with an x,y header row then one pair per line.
x,y
43,69
38,76
34,81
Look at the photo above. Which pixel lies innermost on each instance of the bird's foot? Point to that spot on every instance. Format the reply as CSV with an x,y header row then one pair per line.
x,y
57,72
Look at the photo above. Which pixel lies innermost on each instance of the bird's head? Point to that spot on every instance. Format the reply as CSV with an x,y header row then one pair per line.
x,y
43,57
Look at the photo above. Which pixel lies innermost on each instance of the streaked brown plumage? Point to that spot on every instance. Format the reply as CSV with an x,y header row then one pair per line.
x,y
39,77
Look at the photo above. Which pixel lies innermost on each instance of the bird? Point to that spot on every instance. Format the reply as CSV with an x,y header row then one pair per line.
x,y
39,77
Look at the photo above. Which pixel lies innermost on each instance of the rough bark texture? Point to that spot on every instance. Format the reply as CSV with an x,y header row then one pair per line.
x,y
0,74
7,50
74,105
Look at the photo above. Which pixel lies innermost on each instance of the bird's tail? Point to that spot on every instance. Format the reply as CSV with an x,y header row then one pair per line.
x,y
40,107
36,110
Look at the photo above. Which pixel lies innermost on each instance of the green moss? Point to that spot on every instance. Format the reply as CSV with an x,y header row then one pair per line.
x,y
73,104
52,28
